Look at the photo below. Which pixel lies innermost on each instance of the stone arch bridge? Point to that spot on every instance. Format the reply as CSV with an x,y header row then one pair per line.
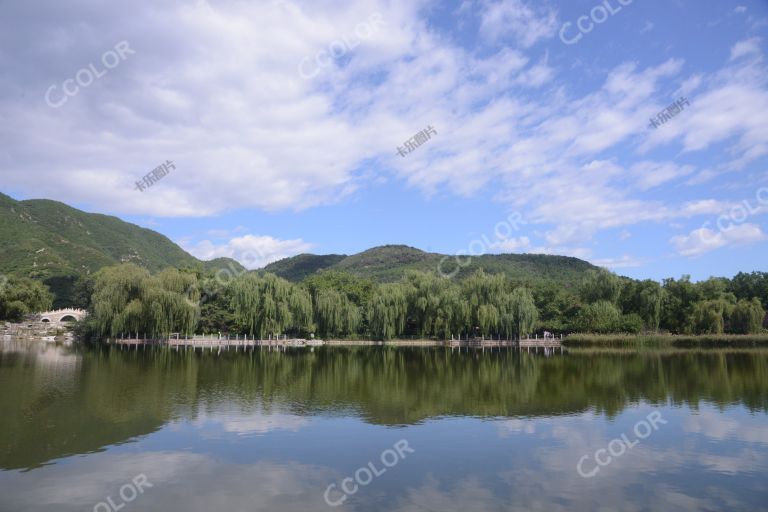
x,y
63,315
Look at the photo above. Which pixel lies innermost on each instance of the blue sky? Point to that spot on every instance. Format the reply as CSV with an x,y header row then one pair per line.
x,y
282,148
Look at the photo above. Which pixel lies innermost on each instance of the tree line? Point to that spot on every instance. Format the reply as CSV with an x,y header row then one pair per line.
x,y
127,299
20,296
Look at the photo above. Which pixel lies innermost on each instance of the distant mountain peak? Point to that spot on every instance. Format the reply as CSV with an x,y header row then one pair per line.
x,y
54,242
388,263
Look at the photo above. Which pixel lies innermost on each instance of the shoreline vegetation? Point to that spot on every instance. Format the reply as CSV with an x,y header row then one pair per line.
x,y
129,302
580,340
574,341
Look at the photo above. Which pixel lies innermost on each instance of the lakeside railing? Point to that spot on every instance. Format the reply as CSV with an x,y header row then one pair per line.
x,y
282,341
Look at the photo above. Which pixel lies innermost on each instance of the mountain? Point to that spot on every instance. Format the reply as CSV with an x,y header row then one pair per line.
x,y
389,262
298,267
55,243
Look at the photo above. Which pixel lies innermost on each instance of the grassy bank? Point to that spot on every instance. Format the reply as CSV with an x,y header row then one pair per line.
x,y
666,340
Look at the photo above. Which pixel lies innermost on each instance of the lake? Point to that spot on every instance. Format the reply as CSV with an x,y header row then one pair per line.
x,y
377,428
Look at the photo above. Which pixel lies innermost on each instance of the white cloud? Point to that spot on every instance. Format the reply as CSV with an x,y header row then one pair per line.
x,y
536,76
691,85
704,207
729,111
508,428
514,244
253,422
704,239
521,19
250,250
746,47
719,427
228,106
653,174
562,250
247,131
626,261
179,480
649,25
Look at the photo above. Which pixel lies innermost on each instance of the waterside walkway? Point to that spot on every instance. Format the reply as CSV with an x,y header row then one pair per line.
x,y
283,342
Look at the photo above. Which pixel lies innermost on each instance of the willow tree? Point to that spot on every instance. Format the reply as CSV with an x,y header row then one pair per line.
x,y
487,296
521,312
20,296
747,317
643,298
601,285
127,299
335,314
450,313
435,305
270,305
709,317
167,302
387,311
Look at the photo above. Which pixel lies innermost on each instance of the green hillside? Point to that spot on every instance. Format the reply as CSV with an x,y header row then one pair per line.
x,y
388,264
212,266
56,243
298,267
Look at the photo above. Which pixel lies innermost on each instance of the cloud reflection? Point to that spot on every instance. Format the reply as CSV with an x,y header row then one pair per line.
x,y
257,422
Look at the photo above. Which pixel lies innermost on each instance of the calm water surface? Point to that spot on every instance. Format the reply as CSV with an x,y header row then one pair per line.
x,y
271,431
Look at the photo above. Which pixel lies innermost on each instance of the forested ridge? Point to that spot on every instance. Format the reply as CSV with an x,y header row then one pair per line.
x,y
56,244
126,298
134,280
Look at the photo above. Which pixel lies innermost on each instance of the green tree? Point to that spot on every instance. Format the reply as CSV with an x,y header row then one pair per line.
x,y
215,305
631,323
557,306
714,288
643,298
747,317
709,316
488,298
601,285
127,299
387,311
677,304
20,296
522,312
357,290
270,305
599,317
435,305
746,286
335,314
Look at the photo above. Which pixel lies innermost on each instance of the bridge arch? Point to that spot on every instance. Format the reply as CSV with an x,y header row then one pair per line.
x,y
63,315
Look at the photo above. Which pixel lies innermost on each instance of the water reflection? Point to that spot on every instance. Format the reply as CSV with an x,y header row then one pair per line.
x,y
251,422
270,431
